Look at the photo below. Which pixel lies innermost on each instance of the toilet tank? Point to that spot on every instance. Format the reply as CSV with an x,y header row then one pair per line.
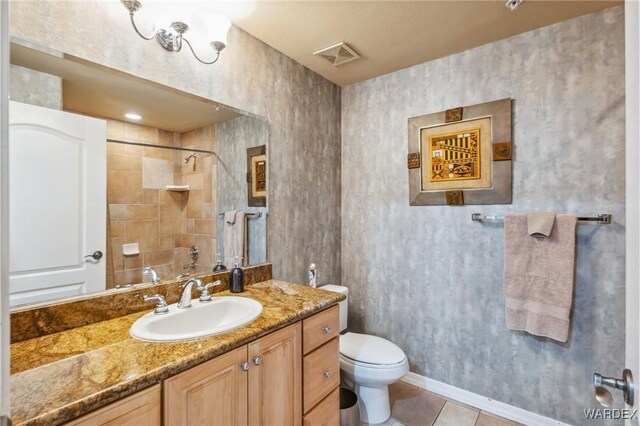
x,y
343,305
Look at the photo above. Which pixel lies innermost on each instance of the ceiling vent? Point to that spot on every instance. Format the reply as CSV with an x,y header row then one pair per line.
x,y
338,54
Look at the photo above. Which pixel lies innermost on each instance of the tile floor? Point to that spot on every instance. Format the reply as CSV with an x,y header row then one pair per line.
x,y
412,406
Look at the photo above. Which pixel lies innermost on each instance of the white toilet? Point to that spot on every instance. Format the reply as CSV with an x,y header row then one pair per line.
x,y
368,365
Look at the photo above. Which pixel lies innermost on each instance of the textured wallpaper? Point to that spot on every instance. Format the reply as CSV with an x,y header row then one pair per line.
x,y
35,88
303,110
430,279
234,137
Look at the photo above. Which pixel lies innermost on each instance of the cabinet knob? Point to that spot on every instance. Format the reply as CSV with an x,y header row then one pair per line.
x,y
245,366
327,373
326,329
257,360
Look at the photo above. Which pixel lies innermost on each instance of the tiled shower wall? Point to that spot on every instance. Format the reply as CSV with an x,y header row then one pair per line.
x,y
199,223
165,224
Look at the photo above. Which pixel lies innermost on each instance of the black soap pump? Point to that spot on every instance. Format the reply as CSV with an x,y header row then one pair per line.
x,y
236,278
219,266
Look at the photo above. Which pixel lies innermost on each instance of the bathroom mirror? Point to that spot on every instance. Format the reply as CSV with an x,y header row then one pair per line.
x,y
112,174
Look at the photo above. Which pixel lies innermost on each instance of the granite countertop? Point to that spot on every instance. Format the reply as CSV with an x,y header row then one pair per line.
x,y
64,375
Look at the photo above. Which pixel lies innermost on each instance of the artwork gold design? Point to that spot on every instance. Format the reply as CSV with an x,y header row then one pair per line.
x,y
261,175
455,156
464,155
257,176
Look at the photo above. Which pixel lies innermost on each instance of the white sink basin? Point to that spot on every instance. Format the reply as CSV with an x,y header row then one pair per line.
x,y
220,315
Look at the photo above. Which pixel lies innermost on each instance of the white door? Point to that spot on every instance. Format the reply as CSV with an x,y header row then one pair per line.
x,y
57,203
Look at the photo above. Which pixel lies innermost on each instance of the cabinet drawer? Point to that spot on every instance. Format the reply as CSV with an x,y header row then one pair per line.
x,y
327,413
321,373
320,328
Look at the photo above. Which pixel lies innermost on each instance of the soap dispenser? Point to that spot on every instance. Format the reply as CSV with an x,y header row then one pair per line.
x,y
236,278
219,266
313,275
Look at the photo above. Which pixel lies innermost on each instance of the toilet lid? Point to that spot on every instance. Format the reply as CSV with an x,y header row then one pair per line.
x,y
370,349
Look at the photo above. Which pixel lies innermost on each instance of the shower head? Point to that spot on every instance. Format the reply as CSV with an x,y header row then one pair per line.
x,y
186,160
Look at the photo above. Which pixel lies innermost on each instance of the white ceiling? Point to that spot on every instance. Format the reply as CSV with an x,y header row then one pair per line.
x,y
395,34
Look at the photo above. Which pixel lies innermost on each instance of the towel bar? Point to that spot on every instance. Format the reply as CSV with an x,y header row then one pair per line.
x,y
601,219
259,214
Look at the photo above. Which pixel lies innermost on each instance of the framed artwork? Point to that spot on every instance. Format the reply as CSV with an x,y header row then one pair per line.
x,y
257,176
461,156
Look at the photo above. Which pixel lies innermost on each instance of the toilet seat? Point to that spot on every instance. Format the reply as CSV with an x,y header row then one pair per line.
x,y
370,351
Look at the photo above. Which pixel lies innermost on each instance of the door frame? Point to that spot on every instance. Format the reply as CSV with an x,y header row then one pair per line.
x,y
4,197
632,180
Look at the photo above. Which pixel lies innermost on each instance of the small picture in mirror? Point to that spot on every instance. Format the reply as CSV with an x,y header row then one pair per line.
x,y
257,176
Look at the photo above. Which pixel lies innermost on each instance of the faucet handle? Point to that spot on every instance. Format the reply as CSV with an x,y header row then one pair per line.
x,y
204,290
161,305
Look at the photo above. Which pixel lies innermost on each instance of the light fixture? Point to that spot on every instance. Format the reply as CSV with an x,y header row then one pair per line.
x,y
172,38
513,4
133,116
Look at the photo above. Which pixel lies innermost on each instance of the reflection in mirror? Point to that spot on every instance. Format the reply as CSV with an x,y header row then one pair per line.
x,y
104,162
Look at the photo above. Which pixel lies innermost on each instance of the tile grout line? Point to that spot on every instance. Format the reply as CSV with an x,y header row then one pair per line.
x,y
446,401
477,417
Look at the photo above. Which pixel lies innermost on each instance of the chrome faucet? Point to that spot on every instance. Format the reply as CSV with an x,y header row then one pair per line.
x,y
154,275
185,298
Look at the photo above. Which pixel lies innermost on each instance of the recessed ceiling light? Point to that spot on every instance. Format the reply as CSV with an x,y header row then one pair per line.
x,y
132,116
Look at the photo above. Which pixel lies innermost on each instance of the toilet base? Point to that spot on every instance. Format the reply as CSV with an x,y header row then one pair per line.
x,y
373,403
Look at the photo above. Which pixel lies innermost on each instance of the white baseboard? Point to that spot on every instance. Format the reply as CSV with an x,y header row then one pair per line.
x,y
480,402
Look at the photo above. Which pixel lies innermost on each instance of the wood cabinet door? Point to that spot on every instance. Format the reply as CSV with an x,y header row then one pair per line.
x,y
142,408
213,393
275,378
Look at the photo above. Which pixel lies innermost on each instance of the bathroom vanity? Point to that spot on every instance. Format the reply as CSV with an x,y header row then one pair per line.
x,y
283,366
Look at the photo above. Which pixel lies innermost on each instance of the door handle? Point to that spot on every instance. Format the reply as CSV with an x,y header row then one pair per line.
x,y
96,255
626,385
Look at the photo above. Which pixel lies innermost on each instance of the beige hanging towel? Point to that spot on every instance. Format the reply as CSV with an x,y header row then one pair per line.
x,y
538,276
540,224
